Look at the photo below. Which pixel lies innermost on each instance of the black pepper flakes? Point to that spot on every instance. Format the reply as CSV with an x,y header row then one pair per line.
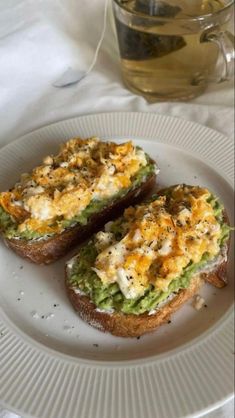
x,y
169,322
96,345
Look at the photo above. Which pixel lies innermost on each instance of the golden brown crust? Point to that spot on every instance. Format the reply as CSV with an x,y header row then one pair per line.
x,y
130,325
51,249
217,278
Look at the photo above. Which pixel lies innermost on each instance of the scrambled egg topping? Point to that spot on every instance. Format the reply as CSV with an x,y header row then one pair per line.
x,y
159,240
64,185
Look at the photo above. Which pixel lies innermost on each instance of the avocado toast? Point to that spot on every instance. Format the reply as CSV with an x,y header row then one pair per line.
x,y
130,277
66,198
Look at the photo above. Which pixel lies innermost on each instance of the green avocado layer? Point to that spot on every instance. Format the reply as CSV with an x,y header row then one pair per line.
x,y
10,228
110,297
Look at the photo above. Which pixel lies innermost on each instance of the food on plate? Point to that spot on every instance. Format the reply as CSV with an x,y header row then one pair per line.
x,y
71,194
131,276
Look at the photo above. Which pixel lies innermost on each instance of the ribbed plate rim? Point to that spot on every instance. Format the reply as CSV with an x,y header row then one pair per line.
x,y
225,168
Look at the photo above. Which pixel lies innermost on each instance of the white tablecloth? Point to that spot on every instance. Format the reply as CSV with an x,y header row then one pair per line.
x,y
39,40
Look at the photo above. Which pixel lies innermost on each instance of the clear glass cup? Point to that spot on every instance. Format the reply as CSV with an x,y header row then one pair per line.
x,y
171,50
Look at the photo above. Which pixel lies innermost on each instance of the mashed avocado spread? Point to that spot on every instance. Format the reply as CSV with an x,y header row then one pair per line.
x,y
109,297
10,228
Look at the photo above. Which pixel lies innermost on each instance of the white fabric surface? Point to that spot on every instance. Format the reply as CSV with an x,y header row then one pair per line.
x,y
39,40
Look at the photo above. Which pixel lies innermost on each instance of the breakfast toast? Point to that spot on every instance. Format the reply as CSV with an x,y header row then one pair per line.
x,y
65,199
130,278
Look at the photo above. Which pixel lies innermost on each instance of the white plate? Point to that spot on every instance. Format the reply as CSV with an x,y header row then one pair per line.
x,y
59,367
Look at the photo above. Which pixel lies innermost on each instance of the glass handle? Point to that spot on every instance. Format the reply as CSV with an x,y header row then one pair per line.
x,y
225,44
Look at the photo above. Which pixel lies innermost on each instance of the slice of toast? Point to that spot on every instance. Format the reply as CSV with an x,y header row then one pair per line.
x,y
49,250
72,194
134,325
129,325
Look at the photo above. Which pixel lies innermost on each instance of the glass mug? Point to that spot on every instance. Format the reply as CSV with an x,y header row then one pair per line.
x,y
172,49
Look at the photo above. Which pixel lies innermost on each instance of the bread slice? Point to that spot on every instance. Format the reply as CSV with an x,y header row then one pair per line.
x,y
132,325
46,251
129,325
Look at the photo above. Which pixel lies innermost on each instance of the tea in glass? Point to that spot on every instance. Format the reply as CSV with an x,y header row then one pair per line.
x,y
164,48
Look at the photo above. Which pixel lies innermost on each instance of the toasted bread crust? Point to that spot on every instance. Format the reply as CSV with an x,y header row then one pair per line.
x,y
51,249
130,325
217,278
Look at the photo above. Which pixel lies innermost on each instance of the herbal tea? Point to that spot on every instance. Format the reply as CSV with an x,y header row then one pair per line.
x,y
163,52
